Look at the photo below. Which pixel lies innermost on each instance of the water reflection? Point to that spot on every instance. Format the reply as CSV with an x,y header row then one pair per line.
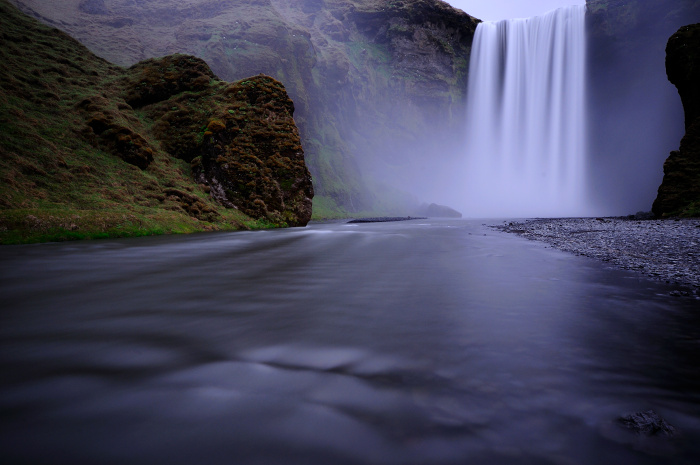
x,y
402,343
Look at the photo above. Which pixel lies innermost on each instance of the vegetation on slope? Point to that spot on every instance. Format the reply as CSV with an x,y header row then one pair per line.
x,y
89,149
378,85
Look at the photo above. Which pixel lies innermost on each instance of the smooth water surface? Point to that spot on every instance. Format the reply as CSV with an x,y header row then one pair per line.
x,y
420,342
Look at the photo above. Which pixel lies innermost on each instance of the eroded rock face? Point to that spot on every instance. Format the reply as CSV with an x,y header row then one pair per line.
x,y
240,138
252,157
647,423
683,69
679,193
636,117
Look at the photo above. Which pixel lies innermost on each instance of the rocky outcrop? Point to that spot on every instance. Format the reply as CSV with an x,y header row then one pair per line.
x,y
683,69
647,423
378,86
636,117
90,149
252,157
679,193
240,138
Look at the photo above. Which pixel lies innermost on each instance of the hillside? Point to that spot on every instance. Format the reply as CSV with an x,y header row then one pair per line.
x,y
378,85
91,149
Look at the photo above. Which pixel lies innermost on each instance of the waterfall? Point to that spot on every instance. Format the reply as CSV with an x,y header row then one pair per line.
x,y
526,117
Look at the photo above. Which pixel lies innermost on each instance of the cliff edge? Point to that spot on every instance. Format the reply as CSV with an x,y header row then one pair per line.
x,y
679,193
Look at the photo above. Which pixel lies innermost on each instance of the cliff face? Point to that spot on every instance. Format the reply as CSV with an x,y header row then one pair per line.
x,y
636,118
679,194
378,86
91,149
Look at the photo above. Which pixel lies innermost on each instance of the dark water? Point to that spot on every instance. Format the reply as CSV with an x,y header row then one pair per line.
x,y
440,342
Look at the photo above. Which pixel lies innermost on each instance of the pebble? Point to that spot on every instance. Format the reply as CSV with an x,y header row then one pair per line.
x,y
664,250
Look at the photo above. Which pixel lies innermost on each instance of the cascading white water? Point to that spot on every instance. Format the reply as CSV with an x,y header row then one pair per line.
x,y
526,117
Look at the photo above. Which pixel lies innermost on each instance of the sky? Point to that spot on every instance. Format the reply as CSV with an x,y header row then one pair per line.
x,y
494,10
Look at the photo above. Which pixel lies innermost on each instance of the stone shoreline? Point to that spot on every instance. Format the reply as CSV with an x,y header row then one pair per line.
x,y
664,250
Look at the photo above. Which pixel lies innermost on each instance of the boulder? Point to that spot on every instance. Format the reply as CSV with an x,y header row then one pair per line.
x,y
647,423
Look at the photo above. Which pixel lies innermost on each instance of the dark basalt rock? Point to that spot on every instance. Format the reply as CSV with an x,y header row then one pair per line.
x,y
679,193
647,423
635,115
385,219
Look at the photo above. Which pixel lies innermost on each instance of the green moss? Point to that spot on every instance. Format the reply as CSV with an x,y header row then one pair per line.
x,y
325,208
67,130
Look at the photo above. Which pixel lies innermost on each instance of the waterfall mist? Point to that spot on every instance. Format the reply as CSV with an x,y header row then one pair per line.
x,y
526,117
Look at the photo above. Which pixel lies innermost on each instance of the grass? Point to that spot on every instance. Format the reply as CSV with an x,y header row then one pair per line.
x,y
67,130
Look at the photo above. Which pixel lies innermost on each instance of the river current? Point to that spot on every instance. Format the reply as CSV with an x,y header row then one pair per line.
x,y
419,342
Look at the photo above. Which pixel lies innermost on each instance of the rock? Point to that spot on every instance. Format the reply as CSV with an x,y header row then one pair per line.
x,y
662,250
679,193
647,423
240,139
155,80
251,154
635,115
640,215
439,211
385,219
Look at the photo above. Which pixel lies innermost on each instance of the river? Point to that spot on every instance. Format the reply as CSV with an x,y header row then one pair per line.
x,y
419,342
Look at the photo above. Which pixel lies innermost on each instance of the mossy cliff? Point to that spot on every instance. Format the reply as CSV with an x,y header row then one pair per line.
x,y
378,85
679,194
90,149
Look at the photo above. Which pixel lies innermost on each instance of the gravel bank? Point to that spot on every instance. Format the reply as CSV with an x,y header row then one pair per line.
x,y
666,250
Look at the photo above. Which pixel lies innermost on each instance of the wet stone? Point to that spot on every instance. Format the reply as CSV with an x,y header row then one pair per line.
x,y
647,423
664,250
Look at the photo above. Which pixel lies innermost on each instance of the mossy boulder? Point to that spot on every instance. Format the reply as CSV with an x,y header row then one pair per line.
x,y
679,193
252,157
240,138
155,80
92,150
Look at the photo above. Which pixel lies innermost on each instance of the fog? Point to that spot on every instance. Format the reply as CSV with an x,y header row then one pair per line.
x,y
377,137
634,119
635,116
495,10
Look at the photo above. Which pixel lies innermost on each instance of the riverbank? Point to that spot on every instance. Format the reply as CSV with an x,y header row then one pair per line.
x,y
665,250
